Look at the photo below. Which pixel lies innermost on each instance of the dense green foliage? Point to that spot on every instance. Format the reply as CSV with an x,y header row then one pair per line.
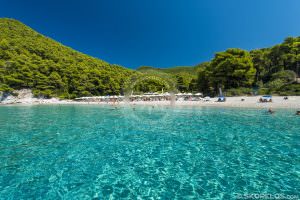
x,y
150,85
185,77
30,60
152,80
171,70
271,70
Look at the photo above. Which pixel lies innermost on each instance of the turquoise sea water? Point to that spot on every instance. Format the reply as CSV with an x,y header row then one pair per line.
x,y
99,152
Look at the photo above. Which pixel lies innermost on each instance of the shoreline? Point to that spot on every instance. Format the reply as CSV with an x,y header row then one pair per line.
x,y
293,102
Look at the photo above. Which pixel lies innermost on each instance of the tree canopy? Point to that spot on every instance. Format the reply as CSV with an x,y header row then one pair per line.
x,y
31,60
271,70
231,69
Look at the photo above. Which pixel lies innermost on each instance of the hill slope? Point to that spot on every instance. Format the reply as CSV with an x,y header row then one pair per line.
x,y
172,70
185,76
31,60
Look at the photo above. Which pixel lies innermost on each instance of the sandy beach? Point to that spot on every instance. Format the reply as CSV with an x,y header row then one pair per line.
x,y
293,102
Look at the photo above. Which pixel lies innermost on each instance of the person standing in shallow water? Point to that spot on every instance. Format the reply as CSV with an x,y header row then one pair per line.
x,y
270,111
298,112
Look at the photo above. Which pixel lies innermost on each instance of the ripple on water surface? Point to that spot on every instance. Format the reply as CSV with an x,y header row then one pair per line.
x,y
102,152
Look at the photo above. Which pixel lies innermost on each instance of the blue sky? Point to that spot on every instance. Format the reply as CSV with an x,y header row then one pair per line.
x,y
160,33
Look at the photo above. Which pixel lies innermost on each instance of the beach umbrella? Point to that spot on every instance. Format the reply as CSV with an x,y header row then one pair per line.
x,y
198,94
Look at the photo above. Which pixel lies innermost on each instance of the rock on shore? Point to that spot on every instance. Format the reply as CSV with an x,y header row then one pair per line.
x,y
23,96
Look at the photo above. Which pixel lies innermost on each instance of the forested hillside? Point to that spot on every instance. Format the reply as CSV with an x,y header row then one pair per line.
x,y
265,71
31,60
271,70
172,70
185,77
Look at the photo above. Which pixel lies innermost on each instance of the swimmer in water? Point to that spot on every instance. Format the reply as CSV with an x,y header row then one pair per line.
x,y
271,111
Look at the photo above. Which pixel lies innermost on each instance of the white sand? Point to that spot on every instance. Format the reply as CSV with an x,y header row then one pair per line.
x,y
25,98
293,102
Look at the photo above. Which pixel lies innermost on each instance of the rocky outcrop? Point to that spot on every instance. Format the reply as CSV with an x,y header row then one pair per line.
x,y
23,96
3,95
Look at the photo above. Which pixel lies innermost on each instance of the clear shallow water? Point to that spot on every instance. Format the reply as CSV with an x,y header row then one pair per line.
x,y
86,152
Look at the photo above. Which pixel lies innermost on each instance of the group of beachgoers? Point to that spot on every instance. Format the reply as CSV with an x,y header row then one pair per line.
x,y
145,97
180,97
271,111
148,97
268,98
